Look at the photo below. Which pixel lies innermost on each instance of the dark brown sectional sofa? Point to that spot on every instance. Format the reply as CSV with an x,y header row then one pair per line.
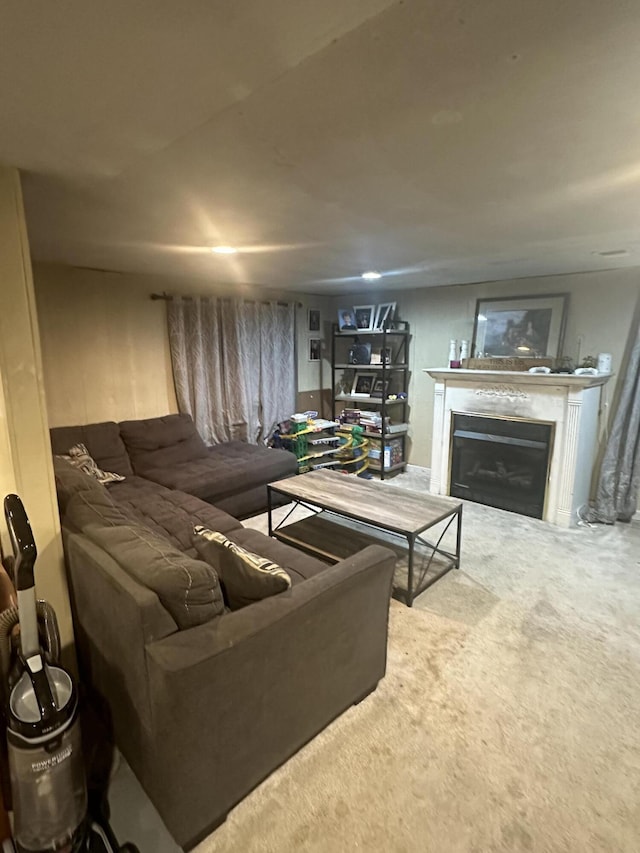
x,y
169,451
204,702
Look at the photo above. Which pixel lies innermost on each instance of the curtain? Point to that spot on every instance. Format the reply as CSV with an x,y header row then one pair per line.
x,y
233,365
619,479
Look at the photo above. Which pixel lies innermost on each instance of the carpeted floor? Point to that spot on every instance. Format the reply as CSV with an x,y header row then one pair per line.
x,y
507,721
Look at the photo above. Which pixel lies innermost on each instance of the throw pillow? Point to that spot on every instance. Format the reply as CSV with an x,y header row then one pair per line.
x,y
188,589
79,457
70,481
246,577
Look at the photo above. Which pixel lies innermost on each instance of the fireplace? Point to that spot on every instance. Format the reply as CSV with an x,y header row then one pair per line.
x,y
553,419
501,462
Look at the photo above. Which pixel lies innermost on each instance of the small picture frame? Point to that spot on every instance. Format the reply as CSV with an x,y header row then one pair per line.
x,y
365,316
347,320
385,313
362,384
313,323
381,388
315,349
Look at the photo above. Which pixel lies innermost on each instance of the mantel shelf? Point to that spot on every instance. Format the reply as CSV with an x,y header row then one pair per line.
x,y
451,375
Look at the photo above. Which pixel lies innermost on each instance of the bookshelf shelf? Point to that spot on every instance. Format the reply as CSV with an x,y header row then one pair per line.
x,y
353,373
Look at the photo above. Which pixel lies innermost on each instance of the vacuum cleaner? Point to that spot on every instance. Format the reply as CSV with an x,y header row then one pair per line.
x,y
47,774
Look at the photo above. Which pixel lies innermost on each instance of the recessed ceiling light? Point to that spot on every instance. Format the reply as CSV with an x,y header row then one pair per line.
x,y
223,250
372,275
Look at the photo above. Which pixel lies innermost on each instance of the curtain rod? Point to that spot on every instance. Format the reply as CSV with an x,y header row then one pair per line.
x,y
167,296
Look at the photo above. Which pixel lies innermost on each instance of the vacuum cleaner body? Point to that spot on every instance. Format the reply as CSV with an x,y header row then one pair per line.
x,y
45,763
43,730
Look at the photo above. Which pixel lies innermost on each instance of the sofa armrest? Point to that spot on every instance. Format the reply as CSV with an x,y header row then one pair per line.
x,y
114,618
234,698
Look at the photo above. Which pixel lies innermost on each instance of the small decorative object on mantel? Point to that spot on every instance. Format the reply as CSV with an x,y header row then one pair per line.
x,y
519,364
604,362
454,361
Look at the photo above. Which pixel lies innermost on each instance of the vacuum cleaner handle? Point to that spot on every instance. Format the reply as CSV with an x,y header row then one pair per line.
x,y
22,542
25,551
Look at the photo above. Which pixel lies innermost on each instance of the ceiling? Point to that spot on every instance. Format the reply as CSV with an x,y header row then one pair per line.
x,y
438,143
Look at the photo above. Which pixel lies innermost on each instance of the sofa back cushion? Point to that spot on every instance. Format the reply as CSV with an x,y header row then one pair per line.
x,y
70,481
161,442
188,589
102,440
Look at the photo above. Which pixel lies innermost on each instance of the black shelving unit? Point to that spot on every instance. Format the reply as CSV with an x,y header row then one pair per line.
x,y
393,374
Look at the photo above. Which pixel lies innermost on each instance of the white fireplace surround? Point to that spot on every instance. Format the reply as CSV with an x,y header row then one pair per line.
x,y
571,403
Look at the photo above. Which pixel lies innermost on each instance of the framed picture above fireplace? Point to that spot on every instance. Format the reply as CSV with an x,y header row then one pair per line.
x,y
521,327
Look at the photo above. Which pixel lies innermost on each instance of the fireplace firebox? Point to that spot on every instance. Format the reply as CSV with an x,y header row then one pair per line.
x,y
501,462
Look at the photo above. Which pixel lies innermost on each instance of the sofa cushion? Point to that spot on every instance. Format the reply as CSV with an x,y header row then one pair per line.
x,y
170,513
79,457
228,469
246,576
102,440
70,480
161,442
187,588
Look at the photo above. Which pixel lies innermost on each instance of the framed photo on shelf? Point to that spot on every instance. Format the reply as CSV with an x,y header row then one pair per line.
x,y
521,327
313,323
347,320
385,313
362,384
365,317
315,349
381,388
381,357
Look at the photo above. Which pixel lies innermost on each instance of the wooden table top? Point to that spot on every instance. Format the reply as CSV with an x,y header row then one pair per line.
x,y
373,501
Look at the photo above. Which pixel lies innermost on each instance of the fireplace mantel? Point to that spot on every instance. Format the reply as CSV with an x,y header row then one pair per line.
x,y
569,402
504,377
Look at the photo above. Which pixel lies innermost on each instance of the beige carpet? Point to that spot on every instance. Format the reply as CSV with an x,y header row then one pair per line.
x,y
507,721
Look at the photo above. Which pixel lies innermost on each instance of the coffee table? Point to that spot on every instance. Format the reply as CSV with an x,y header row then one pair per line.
x,y
349,512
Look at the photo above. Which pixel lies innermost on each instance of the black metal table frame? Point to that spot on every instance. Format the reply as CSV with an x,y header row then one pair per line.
x,y
412,539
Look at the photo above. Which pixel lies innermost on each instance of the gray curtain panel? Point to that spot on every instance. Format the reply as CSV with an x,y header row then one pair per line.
x,y
617,493
233,365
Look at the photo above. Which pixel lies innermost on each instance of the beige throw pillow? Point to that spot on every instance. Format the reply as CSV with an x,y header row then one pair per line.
x,y
245,576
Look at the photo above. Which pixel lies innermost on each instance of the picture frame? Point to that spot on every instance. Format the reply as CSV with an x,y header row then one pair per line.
x,y
520,327
385,312
362,384
347,320
313,320
365,316
315,349
381,388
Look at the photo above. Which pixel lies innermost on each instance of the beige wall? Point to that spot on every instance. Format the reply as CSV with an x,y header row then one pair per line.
x,y
106,357
105,345
600,310
25,454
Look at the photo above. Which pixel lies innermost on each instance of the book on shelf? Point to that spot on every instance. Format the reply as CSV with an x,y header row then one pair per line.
x,y
390,454
391,428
